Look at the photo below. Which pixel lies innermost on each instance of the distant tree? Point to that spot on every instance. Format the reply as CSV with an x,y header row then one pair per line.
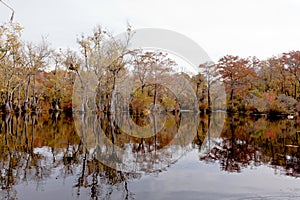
x,y
38,58
234,71
291,61
103,55
152,68
211,76
142,62
12,63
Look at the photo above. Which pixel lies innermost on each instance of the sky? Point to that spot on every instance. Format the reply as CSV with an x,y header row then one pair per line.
x,y
261,28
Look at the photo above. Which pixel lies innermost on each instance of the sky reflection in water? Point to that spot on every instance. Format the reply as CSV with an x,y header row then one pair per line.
x,y
269,173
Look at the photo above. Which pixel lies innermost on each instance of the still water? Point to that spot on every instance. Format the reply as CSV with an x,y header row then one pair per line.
x,y
176,156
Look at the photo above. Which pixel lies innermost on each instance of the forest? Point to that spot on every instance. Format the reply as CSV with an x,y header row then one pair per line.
x,y
36,77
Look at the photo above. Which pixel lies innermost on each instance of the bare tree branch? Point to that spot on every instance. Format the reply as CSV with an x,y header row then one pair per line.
x,y
12,10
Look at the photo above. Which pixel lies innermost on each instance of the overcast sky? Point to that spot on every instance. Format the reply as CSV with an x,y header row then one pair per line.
x,y
240,27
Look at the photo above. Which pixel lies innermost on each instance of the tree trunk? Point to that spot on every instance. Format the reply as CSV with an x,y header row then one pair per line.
x,y
26,106
197,96
143,86
98,96
7,107
208,98
19,99
155,94
34,99
114,106
232,97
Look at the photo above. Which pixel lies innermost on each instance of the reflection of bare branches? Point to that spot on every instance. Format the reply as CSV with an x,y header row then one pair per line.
x,y
104,181
34,148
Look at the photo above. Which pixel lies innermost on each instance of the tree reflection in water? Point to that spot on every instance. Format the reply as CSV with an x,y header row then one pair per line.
x,y
36,148
250,142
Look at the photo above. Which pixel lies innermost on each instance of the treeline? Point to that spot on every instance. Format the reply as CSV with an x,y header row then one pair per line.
x,y
35,77
259,86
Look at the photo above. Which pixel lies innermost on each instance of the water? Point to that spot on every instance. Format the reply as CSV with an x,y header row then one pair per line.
x,y
54,156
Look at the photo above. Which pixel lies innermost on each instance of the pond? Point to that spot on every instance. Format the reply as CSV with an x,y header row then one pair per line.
x,y
163,156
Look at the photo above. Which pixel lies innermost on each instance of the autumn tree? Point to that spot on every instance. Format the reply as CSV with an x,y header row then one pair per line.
x,y
149,67
234,71
104,56
11,63
211,76
56,85
160,69
291,62
21,65
97,61
152,71
199,83
73,62
38,58
142,62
